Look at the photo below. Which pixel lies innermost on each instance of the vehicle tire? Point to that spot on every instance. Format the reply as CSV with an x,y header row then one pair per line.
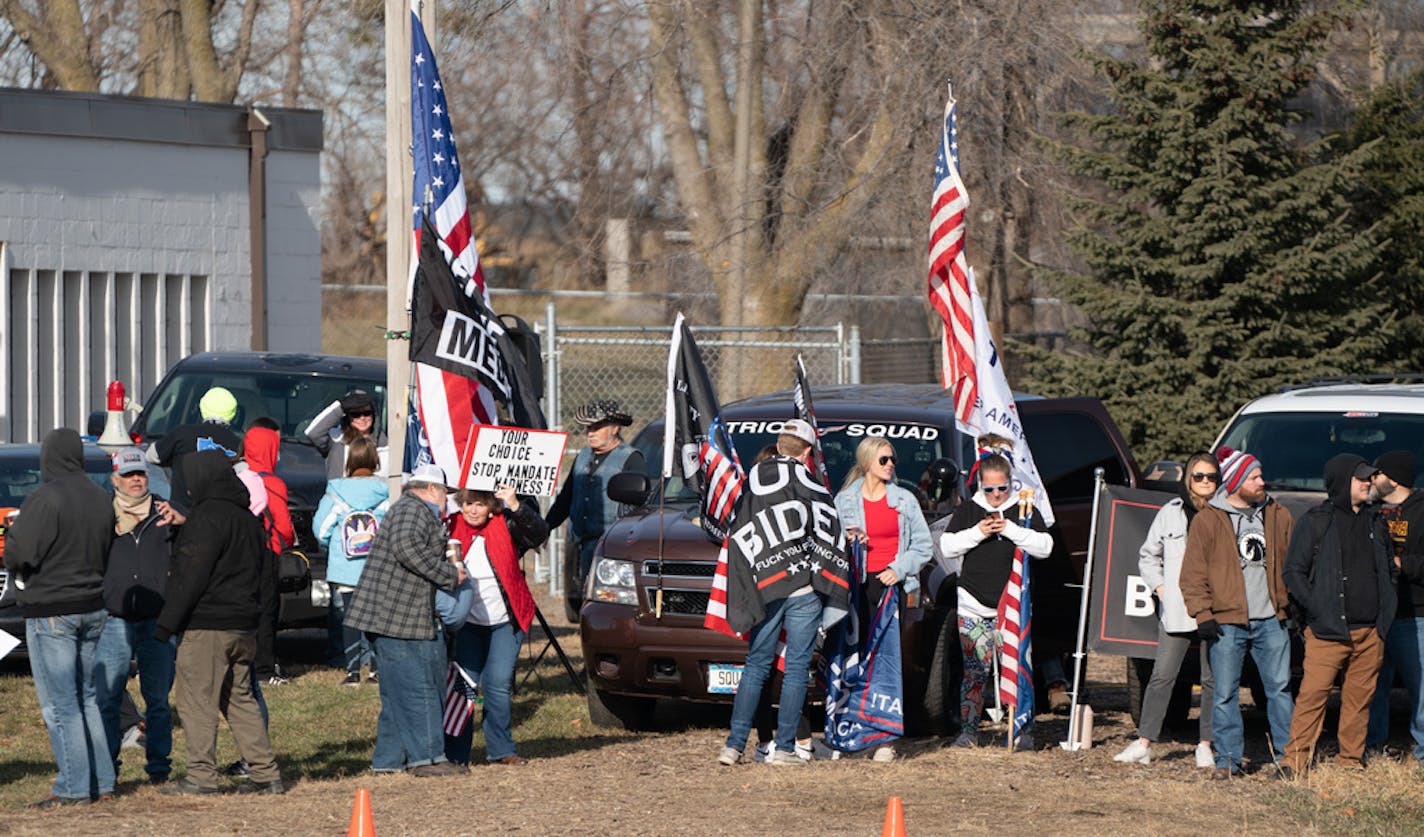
x,y
607,709
571,611
941,700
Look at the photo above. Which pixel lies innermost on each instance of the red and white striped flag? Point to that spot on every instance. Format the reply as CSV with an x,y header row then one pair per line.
x,y
460,700
716,618
950,279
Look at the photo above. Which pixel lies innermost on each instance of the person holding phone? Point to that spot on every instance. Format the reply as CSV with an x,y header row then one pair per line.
x,y
979,545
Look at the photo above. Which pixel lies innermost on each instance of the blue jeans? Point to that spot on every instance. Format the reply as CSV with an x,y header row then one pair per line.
x,y
801,616
488,653
1403,654
122,640
409,731
1268,641
67,672
355,648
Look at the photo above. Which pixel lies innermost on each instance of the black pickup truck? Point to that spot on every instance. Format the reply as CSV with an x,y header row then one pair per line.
x,y
634,656
292,389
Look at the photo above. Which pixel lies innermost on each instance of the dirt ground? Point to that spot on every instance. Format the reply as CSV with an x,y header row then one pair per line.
x,y
669,783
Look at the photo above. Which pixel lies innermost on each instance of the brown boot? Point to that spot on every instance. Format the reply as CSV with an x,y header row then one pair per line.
x,y
1058,701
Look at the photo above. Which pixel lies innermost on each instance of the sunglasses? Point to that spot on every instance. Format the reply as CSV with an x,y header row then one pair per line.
x,y
360,413
1206,477
886,460
993,489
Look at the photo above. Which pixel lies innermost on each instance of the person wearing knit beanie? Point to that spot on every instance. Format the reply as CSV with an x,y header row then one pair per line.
x,y
1236,466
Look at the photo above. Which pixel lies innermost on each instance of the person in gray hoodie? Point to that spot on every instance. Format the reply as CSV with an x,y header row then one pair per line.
x,y
56,550
1233,587
1340,572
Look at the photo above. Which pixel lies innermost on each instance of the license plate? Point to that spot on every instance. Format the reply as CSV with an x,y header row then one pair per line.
x,y
722,679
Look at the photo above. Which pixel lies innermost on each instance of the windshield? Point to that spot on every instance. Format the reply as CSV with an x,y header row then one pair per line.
x,y
1294,447
20,479
292,399
916,446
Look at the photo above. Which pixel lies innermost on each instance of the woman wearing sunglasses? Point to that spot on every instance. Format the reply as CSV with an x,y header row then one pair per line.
x,y
1160,563
979,544
887,520
350,416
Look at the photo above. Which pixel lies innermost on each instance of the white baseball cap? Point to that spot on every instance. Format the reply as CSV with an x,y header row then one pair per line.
x,y
427,475
800,429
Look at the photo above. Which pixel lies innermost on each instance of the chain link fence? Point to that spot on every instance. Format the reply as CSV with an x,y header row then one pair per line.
x,y
629,365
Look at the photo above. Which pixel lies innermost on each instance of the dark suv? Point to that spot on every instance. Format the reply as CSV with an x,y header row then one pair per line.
x,y
292,389
633,656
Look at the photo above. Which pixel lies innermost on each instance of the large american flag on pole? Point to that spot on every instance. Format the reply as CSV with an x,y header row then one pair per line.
x,y
450,405
950,280
1015,624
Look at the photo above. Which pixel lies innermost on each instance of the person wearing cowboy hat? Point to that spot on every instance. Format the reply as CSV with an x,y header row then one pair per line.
x,y
583,501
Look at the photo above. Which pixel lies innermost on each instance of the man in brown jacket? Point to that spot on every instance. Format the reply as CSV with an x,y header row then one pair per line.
x,y
1233,585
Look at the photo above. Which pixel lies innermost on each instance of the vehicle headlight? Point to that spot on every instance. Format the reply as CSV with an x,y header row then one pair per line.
x,y
612,581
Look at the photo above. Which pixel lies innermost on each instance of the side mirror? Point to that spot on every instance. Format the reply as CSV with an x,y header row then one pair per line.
x,y
941,480
628,488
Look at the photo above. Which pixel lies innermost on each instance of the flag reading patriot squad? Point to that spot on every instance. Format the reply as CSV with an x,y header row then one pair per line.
x,y
449,404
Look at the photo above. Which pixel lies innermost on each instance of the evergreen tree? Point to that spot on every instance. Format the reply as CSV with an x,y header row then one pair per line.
x,y
1225,259
1392,194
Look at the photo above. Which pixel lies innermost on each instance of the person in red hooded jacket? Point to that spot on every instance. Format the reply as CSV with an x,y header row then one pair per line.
x,y
494,529
260,447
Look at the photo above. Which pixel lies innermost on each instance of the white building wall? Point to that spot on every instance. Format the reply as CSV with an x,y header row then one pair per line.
x,y
293,252
120,256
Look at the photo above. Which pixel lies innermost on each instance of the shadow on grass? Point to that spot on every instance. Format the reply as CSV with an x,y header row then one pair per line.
x,y
13,771
553,746
332,760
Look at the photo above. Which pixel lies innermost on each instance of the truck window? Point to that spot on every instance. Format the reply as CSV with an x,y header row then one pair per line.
x,y
1294,447
292,400
1067,447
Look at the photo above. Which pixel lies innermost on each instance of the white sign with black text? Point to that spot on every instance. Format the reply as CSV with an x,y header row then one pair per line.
x,y
526,459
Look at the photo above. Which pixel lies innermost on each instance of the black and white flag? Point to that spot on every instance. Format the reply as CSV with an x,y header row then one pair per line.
x,y
695,445
456,332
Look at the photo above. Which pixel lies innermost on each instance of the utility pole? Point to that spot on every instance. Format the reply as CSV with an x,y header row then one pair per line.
x,y
399,228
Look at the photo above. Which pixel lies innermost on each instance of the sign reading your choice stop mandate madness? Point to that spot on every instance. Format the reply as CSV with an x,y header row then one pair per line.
x,y
526,459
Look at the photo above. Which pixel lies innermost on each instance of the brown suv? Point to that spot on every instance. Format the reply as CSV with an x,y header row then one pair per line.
x,y
634,656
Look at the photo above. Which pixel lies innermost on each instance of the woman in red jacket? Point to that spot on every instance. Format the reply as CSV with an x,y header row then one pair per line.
x,y
494,529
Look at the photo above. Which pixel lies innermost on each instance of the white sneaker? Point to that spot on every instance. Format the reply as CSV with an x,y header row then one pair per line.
x,y
884,752
781,758
762,752
1205,759
729,756
1137,753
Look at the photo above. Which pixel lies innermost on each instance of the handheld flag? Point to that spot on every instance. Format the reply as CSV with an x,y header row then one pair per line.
x,y
864,687
1015,624
460,699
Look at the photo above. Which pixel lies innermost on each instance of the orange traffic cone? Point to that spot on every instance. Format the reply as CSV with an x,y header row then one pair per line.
x,y
361,823
894,819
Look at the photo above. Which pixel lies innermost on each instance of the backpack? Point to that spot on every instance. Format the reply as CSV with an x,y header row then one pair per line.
x,y
357,528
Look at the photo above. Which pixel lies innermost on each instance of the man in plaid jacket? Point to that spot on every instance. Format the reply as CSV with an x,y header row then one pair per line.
x,y
394,605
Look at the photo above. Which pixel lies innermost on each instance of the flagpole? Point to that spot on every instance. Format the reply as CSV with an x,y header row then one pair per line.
x,y
1078,653
399,176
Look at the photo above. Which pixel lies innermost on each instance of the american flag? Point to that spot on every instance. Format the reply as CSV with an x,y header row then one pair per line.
x,y
450,405
460,700
950,278
723,485
1015,622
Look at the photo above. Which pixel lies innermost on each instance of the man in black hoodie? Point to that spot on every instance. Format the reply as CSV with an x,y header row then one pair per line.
x,y
1340,573
1402,508
55,550
213,604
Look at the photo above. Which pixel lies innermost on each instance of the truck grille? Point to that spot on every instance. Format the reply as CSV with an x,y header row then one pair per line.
x,y
681,569
679,602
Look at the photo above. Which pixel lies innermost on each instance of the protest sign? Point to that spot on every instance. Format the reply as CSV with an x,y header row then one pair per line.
x,y
1123,616
528,460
